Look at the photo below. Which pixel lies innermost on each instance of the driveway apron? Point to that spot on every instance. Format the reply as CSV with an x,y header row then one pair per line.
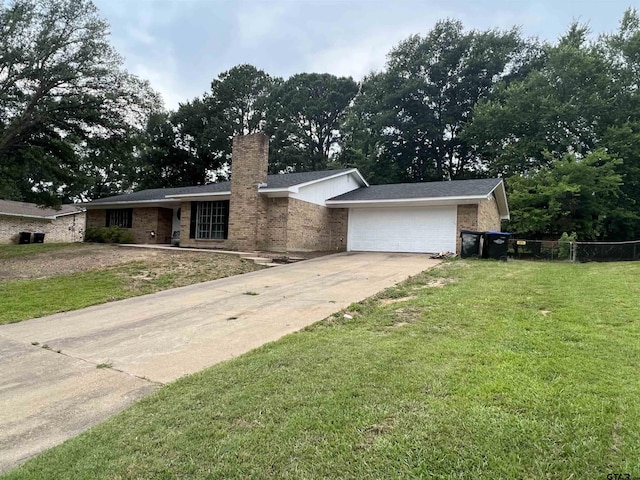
x,y
61,374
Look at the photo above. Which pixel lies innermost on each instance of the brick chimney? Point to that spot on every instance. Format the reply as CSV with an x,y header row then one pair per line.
x,y
247,208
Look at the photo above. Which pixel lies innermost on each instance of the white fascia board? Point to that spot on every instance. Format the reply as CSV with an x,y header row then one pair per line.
x,y
187,196
40,217
501,200
278,192
82,210
406,201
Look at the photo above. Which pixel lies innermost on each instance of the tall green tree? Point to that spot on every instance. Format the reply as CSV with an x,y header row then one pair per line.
x,y
582,97
304,117
240,96
62,86
192,145
571,195
416,109
564,106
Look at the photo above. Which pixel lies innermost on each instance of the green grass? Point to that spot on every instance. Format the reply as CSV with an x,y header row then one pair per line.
x,y
30,298
511,370
18,251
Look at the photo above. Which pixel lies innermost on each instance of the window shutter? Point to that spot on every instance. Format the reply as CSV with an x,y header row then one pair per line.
x,y
226,219
192,220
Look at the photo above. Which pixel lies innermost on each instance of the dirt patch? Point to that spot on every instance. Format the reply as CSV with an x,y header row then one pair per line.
x,y
388,301
81,258
437,283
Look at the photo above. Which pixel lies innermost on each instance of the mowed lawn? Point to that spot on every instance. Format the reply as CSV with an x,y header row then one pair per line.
x,y
479,369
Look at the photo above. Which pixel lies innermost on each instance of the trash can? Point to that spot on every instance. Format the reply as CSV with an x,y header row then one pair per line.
x,y
24,238
470,243
496,245
38,237
175,238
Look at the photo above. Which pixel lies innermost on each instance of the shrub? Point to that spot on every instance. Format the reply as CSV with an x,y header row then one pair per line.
x,y
564,244
108,235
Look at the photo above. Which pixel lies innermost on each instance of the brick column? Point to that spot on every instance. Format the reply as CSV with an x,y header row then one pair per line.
x,y
247,208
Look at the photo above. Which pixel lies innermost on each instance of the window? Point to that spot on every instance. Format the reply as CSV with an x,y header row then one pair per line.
x,y
121,217
210,220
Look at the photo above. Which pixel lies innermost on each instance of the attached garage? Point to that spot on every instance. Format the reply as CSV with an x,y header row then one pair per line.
x,y
402,229
421,217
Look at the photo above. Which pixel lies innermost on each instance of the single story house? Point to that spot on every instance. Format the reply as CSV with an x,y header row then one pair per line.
x,y
325,210
59,226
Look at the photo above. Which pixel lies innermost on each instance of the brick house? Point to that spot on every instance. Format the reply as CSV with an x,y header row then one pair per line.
x,y
325,210
59,226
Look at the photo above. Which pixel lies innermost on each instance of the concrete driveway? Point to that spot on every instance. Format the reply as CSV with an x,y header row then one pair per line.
x,y
61,374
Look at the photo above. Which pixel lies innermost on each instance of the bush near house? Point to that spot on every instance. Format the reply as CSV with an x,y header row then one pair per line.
x,y
108,235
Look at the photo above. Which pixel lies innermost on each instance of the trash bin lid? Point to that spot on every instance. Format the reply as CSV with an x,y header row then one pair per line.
x,y
499,233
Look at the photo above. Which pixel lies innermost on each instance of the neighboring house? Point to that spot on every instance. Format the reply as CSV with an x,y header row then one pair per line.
x,y
327,210
59,226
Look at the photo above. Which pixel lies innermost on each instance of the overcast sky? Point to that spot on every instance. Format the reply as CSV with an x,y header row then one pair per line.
x,y
181,45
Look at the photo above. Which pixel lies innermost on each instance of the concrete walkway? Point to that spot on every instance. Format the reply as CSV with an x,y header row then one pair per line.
x,y
61,374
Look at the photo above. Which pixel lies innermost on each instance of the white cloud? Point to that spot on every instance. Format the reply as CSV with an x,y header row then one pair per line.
x,y
257,21
361,55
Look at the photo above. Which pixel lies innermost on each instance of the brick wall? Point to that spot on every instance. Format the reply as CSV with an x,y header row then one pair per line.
x,y
96,218
275,238
312,227
144,221
248,208
488,216
467,220
481,217
69,228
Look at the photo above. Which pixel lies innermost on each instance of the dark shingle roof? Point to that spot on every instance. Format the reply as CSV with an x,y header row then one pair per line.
x,y
285,180
397,191
9,207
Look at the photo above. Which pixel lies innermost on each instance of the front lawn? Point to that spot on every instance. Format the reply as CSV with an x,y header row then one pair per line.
x,y
42,279
476,370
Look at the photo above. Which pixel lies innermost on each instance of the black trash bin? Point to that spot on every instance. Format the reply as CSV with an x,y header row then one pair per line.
x,y
496,245
24,238
470,243
38,237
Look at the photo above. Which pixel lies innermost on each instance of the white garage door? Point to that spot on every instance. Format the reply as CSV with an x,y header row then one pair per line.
x,y
402,229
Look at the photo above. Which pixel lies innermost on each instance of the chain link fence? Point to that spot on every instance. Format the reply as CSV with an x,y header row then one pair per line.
x,y
605,251
538,250
553,250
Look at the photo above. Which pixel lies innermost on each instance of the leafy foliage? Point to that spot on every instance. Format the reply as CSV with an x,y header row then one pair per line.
x,y
62,91
573,194
305,114
108,235
416,109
